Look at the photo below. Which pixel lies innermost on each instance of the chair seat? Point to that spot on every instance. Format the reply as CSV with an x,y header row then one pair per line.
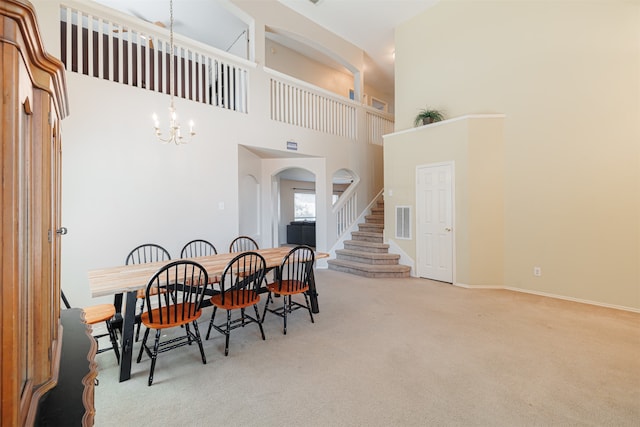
x,y
287,287
99,313
172,316
236,299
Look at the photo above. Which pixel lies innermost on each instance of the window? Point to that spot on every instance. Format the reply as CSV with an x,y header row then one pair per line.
x,y
304,207
378,104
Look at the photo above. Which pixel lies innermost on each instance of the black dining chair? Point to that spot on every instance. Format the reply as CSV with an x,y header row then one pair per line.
x,y
173,298
147,252
197,248
96,314
239,289
243,244
292,278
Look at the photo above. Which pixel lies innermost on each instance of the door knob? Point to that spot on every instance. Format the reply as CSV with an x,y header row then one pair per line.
x,y
62,231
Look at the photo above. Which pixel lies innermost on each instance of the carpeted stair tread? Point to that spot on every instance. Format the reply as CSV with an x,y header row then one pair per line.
x,y
366,254
369,270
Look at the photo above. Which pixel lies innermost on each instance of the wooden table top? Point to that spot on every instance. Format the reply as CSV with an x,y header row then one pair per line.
x,y
127,278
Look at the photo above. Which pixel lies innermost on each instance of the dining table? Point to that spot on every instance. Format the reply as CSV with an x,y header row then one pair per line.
x,y
126,280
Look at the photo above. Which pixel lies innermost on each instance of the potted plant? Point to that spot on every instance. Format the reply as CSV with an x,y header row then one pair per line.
x,y
426,116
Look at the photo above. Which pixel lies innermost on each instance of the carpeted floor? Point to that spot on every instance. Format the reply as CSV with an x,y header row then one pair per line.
x,y
396,352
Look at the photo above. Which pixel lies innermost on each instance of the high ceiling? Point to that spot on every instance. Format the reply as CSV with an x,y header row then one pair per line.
x,y
368,24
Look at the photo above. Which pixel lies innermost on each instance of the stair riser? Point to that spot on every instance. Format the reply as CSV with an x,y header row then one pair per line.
x,y
377,211
368,249
374,219
372,239
371,228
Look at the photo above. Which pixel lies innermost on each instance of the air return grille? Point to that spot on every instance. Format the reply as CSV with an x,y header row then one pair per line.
x,y
403,222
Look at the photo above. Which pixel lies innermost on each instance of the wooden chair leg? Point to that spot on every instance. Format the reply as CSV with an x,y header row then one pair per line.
x,y
266,305
154,356
227,333
255,307
213,315
142,346
199,341
114,340
284,312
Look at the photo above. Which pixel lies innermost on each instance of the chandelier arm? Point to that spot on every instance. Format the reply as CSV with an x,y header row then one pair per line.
x,y
175,134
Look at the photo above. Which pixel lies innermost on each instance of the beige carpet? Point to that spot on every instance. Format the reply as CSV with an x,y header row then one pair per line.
x,y
396,352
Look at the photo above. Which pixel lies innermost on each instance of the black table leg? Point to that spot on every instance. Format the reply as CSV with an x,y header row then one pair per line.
x,y
128,325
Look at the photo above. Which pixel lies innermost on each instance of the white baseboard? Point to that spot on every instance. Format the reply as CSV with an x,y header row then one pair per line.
x,y
549,295
464,285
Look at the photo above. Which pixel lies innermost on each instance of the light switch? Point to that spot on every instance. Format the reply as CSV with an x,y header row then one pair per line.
x,y
221,206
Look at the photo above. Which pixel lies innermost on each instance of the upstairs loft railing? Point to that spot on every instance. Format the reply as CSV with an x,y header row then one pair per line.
x,y
119,51
297,103
99,42
378,124
300,104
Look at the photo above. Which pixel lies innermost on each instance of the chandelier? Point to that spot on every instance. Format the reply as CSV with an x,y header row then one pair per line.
x,y
174,133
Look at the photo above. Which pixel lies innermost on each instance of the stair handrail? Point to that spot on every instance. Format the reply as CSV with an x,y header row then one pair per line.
x,y
345,209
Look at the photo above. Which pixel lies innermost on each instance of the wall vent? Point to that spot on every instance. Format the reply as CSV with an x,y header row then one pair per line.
x,y
403,222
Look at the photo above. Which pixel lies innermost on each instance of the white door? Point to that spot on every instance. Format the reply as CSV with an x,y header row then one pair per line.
x,y
434,220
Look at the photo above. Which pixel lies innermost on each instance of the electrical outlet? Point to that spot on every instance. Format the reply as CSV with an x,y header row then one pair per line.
x,y
537,271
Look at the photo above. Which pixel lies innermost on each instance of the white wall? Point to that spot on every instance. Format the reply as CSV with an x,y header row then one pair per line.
x,y
122,188
289,62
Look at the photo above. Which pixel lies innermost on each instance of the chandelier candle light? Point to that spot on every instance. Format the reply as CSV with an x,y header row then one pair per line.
x,y
175,134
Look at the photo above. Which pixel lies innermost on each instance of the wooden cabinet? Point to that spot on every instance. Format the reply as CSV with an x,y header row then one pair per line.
x,y
34,101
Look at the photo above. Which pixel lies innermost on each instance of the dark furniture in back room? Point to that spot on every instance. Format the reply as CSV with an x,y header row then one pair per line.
x,y
302,233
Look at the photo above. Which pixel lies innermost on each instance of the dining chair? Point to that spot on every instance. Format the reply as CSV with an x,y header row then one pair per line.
x,y
147,252
292,278
243,244
198,248
173,298
239,289
96,314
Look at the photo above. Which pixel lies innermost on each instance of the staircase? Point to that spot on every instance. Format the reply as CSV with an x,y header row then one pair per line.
x,y
366,255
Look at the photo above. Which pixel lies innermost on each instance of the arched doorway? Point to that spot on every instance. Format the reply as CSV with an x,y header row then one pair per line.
x,y
296,198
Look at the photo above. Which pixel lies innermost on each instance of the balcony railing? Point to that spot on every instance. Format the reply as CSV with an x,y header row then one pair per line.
x,y
122,51
378,124
300,104
105,44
